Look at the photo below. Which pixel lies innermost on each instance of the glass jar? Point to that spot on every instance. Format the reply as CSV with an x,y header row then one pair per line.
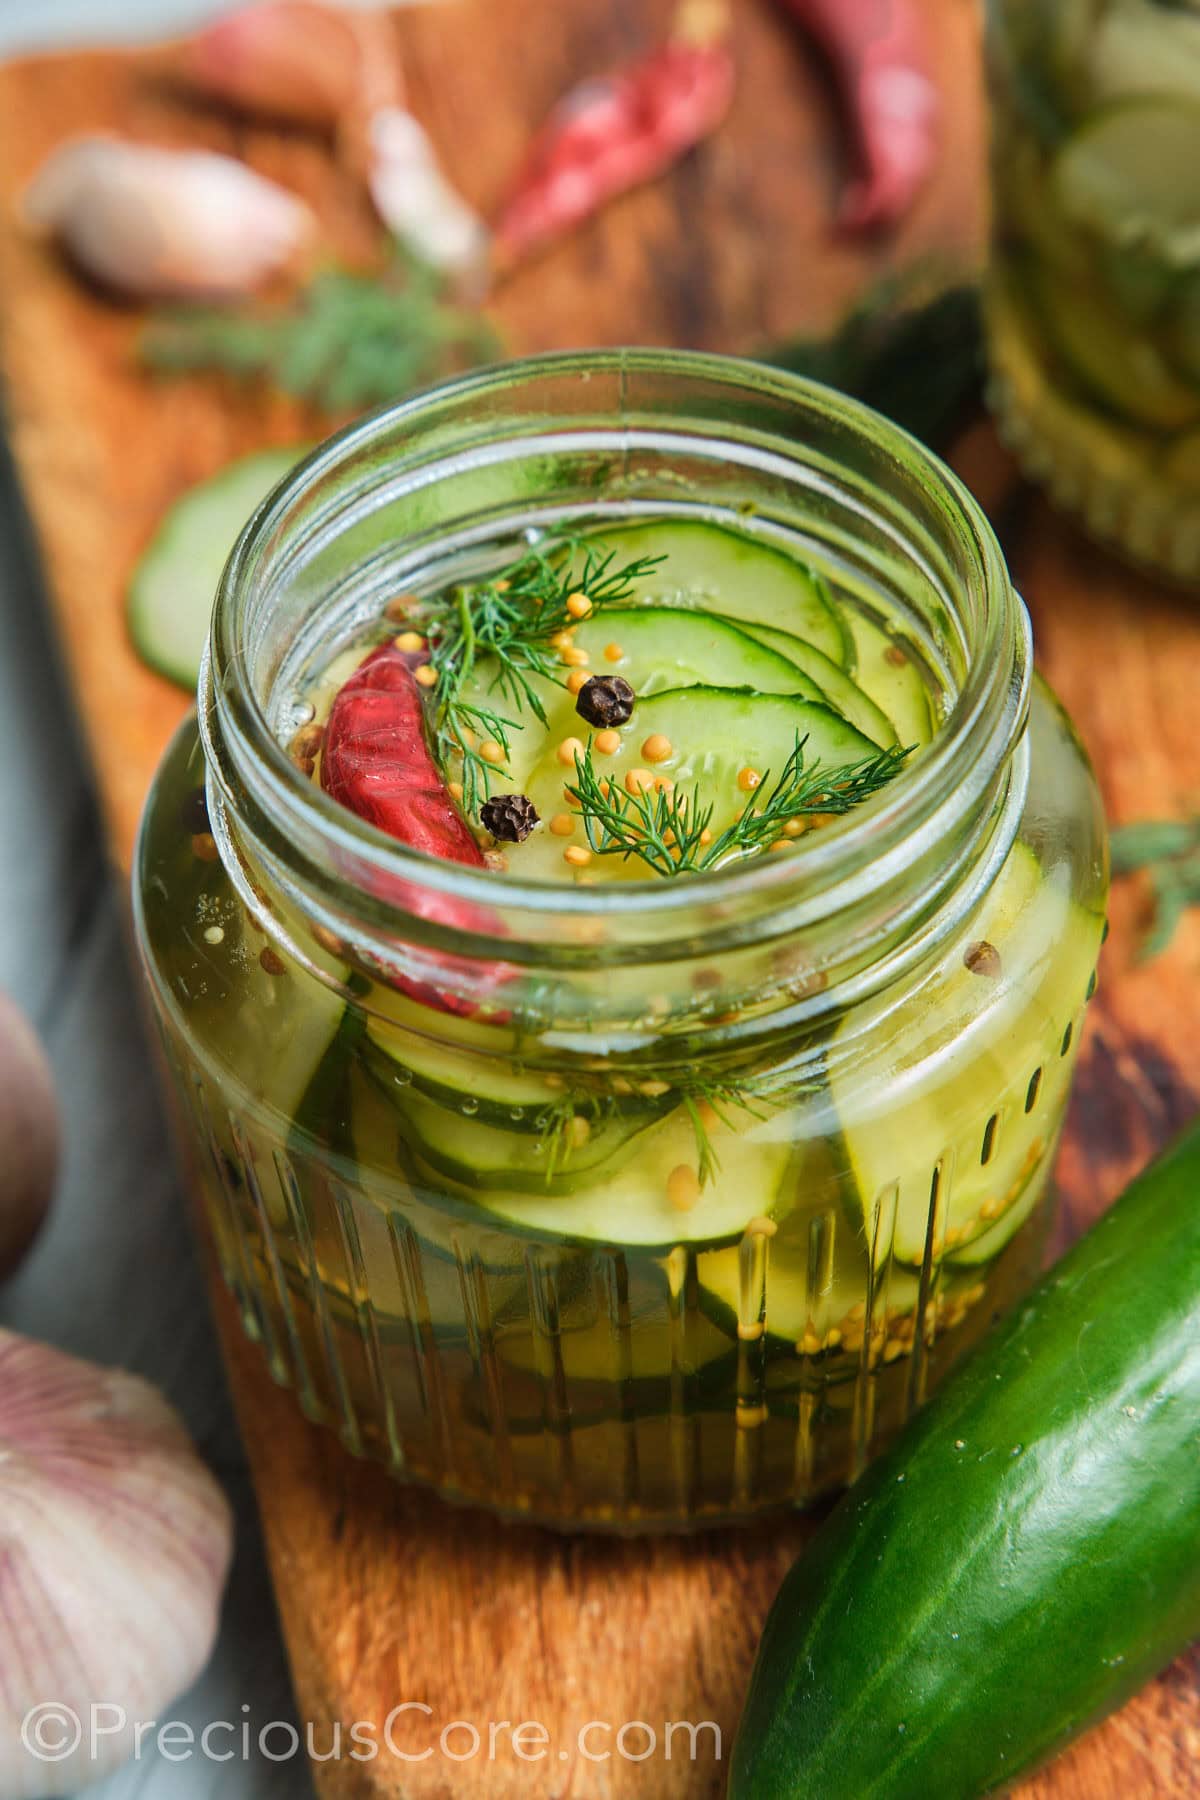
x,y
881,1029
1093,296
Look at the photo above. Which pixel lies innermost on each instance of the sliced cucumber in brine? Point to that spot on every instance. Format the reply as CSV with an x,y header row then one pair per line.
x,y
893,669
171,596
937,1114
1128,175
836,687
794,1301
632,1203
737,575
1121,368
667,647
714,734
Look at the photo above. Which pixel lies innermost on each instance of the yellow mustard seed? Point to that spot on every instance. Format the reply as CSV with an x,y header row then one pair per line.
x,y
562,824
426,675
750,1330
794,828
568,750
578,1131
409,640
706,836
562,640
577,855
575,680
575,658
748,779
761,1226
491,751
613,652
607,742
454,789
638,780
657,747
578,605
683,1187
663,784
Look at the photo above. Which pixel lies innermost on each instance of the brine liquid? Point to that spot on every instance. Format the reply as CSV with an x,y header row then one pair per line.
x,y
571,1349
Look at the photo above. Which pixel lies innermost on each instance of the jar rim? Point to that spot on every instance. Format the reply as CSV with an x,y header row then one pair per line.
x,y
981,728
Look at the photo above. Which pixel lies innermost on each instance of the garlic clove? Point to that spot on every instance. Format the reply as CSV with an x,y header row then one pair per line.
x,y
28,1135
184,223
115,1544
296,60
413,196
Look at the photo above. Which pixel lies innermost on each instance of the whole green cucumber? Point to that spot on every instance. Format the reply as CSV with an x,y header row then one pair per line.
x,y
1024,1557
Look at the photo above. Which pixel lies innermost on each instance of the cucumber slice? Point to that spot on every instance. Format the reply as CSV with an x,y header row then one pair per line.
x,y
835,686
629,1205
170,598
1141,48
666,647
739,576
930,1099
1121,368
892,670
714,733
475,1153
798,1303
1128,176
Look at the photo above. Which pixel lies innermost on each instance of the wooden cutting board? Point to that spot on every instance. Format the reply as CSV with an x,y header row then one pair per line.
x,y
386,1595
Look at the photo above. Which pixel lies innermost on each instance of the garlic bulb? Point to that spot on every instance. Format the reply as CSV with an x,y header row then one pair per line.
x,y
166,222
414,197
114,1547
28,1135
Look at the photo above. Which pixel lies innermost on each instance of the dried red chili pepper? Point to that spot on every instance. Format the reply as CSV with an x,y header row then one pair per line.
x,y
375,761
877,51
612,133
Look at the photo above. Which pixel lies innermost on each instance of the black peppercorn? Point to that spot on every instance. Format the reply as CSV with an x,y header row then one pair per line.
x,y
509,817
605,700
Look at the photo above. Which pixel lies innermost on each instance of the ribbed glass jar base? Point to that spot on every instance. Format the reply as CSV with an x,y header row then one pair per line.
x,y
567,1387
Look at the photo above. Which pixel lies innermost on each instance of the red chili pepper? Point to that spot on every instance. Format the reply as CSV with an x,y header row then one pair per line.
x,y
615,132
877,51
375,761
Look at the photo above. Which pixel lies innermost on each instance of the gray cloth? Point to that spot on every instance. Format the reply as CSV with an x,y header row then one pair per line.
x,y
115,1276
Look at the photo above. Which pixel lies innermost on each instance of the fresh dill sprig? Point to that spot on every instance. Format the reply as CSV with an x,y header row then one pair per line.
x,y
666,827
510,621
350,339
1168,851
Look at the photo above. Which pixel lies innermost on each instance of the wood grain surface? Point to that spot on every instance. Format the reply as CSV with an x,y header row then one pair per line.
x,y
388,1596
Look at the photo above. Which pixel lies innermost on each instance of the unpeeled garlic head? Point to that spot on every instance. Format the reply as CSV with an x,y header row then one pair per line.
x,y
114,1548
182,223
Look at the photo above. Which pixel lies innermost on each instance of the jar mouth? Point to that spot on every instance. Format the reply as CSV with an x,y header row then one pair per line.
x,y
756,431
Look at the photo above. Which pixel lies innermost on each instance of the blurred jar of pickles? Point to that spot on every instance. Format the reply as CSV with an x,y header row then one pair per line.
x,y
1093,300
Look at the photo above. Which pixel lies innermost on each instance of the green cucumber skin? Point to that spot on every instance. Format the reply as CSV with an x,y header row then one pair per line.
x,y
1027,1554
